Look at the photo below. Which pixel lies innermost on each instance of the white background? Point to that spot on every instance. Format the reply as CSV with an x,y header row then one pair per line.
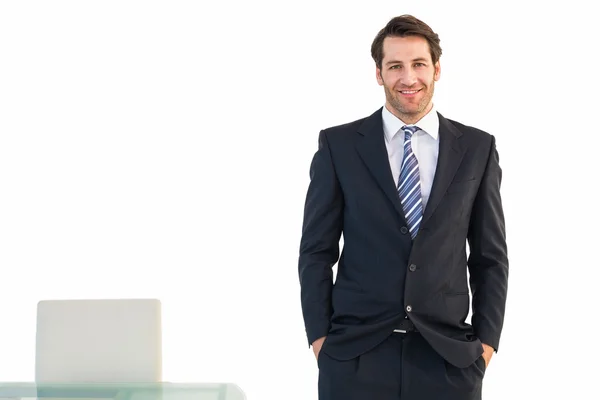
x,y
161,149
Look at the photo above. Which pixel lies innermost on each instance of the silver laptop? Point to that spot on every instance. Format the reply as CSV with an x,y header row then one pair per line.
x,y
114,340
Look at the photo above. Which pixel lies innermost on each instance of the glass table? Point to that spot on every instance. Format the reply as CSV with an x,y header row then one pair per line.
x,y
120,391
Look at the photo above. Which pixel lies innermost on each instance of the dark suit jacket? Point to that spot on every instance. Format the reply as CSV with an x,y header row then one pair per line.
x,y
381,271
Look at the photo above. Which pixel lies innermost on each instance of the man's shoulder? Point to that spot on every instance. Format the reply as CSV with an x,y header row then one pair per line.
x,y
470,131
344,129
465,128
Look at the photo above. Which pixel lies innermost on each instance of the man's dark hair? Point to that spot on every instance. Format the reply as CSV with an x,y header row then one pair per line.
x,y
403,26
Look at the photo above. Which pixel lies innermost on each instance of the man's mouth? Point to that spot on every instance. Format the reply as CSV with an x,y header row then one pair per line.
x,y
409,92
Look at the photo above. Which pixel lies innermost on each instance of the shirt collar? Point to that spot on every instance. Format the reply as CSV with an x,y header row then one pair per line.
x,y
430,123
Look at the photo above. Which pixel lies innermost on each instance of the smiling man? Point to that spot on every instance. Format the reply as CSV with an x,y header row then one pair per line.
x,y
408,189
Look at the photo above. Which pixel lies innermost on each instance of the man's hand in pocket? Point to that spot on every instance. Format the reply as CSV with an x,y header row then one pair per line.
x,y
488,352
316,345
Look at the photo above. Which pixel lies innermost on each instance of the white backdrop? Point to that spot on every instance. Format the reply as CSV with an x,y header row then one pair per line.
x,y
161,149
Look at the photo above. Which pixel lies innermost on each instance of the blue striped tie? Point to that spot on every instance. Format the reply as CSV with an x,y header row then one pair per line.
x,y
409,184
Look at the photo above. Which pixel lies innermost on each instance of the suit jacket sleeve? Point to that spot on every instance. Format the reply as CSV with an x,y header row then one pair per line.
x,y
488,261
319,245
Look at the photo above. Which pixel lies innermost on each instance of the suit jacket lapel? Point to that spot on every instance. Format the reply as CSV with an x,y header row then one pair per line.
x,y
371,148
451,152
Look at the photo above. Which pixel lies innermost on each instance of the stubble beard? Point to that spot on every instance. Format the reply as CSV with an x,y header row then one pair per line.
x,y
407,115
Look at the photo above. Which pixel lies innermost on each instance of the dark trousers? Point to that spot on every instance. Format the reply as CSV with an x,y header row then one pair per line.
x,y
403,367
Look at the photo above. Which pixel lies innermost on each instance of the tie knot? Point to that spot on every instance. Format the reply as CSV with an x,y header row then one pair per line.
x,y
409,130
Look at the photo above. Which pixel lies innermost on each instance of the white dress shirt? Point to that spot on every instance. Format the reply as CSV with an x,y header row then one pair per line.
x,y
425,146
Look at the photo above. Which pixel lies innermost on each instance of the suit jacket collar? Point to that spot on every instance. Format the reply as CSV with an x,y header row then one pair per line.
x,y
372,150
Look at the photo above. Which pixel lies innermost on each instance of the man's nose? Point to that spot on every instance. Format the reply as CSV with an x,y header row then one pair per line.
x,y
408,78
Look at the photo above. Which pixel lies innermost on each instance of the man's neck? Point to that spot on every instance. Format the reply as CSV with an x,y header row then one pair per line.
x,y
409,119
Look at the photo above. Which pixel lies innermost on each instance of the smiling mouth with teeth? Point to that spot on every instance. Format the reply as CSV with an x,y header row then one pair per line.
x,y
410,91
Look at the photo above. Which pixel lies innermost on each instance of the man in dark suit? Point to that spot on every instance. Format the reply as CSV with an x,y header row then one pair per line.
x,y
408,189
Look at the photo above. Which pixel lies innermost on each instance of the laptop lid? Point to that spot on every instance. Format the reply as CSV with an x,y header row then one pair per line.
x,y
113,340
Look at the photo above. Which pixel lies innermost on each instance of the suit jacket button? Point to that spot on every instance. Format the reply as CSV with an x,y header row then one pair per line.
x,y
408,308
412,267
404,230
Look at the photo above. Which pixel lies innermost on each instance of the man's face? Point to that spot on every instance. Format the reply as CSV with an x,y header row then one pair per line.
x,y
408,77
